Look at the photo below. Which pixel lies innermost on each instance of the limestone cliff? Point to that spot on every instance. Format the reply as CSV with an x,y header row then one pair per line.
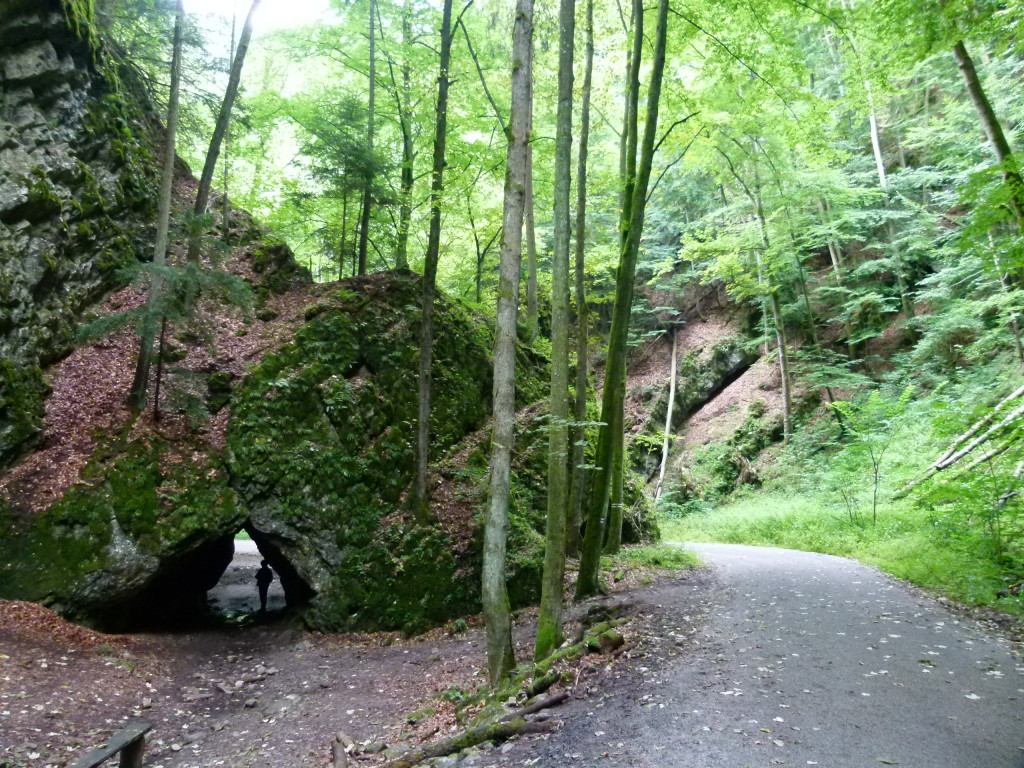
x,y
77,197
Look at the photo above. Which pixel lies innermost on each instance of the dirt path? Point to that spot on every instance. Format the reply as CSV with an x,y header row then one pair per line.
x,y
266,693
807,660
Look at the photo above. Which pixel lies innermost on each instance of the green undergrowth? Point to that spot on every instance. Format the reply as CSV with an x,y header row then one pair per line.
x,y
908,542
653,556
846,491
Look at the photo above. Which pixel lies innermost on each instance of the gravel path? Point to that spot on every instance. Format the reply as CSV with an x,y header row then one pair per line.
x,y
805,659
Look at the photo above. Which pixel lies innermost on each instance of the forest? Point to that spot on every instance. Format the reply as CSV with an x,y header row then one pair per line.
x,y
464,315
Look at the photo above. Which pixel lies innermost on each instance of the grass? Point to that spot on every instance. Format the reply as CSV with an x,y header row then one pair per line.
x,y
907,542
660,556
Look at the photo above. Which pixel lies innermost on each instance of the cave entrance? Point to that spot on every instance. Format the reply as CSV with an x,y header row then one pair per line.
x,y
214,584
235,594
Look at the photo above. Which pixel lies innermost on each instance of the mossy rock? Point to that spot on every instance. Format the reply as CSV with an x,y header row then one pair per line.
x,y
320,445
22,393
135,536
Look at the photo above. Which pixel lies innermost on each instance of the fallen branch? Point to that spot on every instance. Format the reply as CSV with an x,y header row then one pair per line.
x,y
551,701
979,425
500,731
951,456
997,451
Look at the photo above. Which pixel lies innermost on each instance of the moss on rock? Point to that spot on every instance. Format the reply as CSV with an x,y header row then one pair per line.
x,y
320,445
22,392
140,509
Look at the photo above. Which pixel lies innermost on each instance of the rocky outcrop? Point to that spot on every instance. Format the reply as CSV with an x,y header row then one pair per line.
x,y
701,374
76,197
319,459
320,447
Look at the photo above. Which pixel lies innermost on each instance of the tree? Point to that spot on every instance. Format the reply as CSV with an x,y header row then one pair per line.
x,y
549,620
421,493
612,401
223,118
364,219
140,383
993,129
578,478
497,614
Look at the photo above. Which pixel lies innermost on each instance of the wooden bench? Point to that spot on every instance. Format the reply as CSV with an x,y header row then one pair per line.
x,y
130,742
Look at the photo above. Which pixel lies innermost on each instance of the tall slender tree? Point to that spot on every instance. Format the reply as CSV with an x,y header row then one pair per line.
x,y
497,613
140,383
219,130
578,477
993,129
371,106
612,400
549,620
421,491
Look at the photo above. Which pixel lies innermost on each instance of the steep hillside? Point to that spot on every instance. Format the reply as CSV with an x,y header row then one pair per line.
x,y
728,404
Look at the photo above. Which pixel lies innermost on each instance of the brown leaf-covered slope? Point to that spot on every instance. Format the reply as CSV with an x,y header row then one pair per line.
x,y
89,387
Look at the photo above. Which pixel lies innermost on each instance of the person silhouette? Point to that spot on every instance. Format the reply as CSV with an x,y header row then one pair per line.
x,y
263,578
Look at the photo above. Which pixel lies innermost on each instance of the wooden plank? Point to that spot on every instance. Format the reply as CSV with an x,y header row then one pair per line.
x,y
126,737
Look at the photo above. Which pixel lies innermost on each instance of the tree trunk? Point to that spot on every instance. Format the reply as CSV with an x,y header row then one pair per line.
x,y
344,234
364,223
993,129
1004,284
421,493
575,510
140,383
532,309
780,329
613,539
408,149
587,583
668,416
615,365
497,613
225,203
221,127
549,619
876,149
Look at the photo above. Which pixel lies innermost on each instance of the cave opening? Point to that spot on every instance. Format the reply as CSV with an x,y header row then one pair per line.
x,y
214,585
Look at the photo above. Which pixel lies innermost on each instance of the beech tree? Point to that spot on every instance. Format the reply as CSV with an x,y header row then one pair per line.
x,y
421,493
497,614
549,620
635,199
577,474
364,218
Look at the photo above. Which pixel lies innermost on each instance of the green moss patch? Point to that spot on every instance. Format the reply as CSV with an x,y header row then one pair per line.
x,y
22,392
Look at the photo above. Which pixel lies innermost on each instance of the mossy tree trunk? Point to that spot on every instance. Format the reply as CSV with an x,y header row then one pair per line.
x,y
578,478
613,536
421,492
219,130
140,382
549,620
497,612
613,396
